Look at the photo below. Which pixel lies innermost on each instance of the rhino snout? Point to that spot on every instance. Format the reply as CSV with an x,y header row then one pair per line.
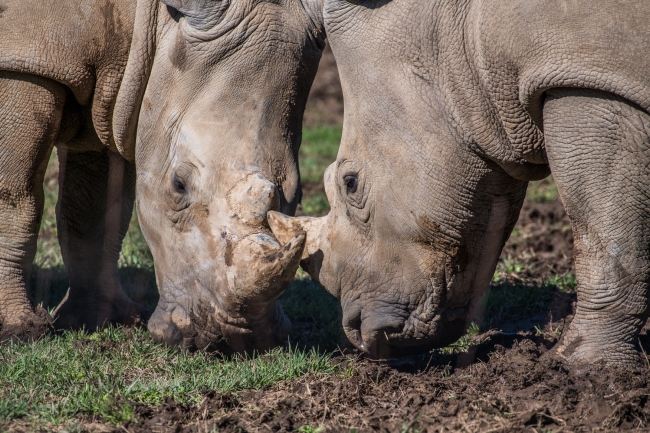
x,y
373,334
163,328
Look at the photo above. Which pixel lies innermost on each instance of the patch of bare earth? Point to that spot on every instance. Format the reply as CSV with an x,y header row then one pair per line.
x,y
510,382
542,240
511,387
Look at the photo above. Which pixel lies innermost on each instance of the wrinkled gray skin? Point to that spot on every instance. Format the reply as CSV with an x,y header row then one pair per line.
x,y
215,91
450,108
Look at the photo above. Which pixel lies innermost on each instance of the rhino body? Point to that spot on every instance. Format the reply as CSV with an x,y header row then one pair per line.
x,y
450,108
214,91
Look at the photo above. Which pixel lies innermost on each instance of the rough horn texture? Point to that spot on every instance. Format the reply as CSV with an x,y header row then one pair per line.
x,y
450,107
215,92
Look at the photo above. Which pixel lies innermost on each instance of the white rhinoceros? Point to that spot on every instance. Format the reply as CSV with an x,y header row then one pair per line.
x,y
205,98
450,108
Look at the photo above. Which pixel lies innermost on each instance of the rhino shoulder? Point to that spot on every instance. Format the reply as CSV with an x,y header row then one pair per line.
x,y
536,45
81,44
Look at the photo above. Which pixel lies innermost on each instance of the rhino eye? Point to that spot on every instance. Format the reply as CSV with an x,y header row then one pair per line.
x,y
351,183
179,185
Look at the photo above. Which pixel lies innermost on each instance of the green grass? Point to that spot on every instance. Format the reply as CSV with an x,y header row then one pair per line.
x,y
315,315
75,375
62,378
107,373
542,191
566,283
315,204
465,342
317,151
508,301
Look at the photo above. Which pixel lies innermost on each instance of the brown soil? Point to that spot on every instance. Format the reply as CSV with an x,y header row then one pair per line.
x,y
542,240
512,386
508,383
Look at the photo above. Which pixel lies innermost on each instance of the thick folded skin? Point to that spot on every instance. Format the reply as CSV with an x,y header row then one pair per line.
x,y
214,93
450,108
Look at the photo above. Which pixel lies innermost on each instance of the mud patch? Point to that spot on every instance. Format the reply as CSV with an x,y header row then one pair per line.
x,y
514,385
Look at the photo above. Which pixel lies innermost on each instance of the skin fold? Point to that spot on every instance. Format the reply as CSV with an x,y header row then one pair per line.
x,y
206,99
450,108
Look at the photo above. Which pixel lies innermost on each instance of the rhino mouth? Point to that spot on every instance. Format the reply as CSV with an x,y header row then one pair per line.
x,y
236,312
386,337
205,326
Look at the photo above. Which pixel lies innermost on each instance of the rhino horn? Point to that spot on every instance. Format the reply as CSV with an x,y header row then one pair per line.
x,y
261,270
284,227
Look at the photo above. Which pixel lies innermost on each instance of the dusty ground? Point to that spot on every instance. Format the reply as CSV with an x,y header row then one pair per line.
x,y
509,382
511,386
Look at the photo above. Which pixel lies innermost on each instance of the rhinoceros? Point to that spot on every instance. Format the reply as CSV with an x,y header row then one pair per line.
x,y
450,108
205,98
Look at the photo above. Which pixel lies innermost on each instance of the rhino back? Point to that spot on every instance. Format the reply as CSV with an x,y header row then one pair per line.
x,y
83,44
525,47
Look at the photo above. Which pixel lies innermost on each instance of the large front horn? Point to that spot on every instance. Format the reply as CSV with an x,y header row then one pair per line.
x,y
284,228
260,271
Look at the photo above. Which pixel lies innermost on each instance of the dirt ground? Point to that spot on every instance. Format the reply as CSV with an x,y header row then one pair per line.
x,y
512,386
510,382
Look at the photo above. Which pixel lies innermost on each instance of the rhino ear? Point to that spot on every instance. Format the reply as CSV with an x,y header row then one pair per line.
x,y
134,81
199,14
174,4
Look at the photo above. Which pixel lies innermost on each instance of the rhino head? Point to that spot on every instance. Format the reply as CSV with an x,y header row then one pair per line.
x,y
218,133
418,217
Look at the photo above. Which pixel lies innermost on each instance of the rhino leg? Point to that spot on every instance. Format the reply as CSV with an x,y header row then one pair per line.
x,y
30,114
96,196
598,147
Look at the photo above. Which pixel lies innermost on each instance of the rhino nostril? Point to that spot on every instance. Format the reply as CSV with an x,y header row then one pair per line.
x,y
163,329
377,331
352,328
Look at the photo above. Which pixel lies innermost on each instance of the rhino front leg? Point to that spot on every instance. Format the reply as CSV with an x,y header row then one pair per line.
x,y
598,147
30,114
96,196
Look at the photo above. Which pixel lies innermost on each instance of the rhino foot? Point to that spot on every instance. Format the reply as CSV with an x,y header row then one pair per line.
x,y
30,325
578,352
